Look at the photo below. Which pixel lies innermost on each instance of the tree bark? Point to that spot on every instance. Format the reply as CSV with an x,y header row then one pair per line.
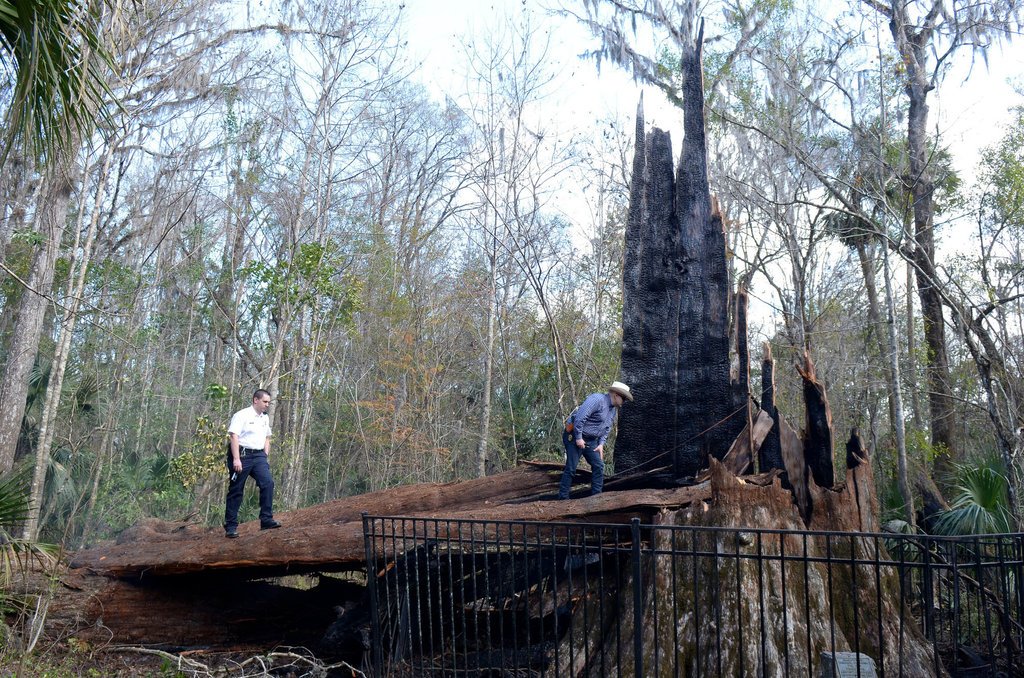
x,y
913,48
769,455
675,344
76,288
896,397
52,209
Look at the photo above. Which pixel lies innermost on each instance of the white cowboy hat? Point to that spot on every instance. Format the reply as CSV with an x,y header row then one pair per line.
x,y
621,389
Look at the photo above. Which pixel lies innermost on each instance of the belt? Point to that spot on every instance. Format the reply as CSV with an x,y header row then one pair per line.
x,y
243,451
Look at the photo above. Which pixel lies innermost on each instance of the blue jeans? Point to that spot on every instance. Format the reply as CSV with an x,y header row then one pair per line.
x,y
255,465
572,460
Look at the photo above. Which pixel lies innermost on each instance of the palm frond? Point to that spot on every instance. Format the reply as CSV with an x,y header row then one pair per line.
x,y
53,58
980,505
16,553
84,396
14,504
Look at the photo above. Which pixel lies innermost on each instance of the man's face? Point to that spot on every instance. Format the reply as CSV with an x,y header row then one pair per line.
x,y
261,404
617,399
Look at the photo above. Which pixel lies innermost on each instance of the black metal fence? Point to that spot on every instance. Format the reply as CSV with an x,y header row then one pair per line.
x,y
484,598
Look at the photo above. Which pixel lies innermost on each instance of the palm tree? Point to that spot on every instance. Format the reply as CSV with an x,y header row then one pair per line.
x,y
15,554
50,65
980,506
51,57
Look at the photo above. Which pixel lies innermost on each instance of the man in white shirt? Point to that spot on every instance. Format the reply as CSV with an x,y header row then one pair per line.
x,y
249,433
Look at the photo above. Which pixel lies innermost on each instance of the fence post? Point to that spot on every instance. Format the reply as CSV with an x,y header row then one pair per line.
x,y
638,615
371,583
926,585
1019,557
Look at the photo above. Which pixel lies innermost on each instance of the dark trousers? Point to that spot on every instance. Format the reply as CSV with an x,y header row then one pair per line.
x,y
256,465
572,460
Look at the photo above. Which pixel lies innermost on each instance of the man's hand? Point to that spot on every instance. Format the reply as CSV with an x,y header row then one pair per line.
x,y
236,459
580,444
600,451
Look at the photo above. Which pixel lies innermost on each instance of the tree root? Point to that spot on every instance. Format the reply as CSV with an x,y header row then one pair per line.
x,y
295,663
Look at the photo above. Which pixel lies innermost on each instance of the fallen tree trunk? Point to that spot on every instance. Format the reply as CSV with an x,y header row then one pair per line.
x,y
336,543
185,586
513,599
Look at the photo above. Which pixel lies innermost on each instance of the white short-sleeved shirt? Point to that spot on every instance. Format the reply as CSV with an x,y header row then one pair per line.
x,y
251,427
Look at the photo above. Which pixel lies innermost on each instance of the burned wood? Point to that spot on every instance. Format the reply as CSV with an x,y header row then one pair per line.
x,y
740,456
650,341
856,452
675,342
769,456
792,450
818,434
741,378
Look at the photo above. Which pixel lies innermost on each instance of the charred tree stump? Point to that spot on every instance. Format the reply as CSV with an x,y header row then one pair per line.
x,y
647,436
818,435
675,344
741,376
714,599
770,453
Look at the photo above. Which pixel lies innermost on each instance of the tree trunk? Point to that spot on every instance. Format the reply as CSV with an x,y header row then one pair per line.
x,y
770,452
75,290
675,344
867,267
913,47
896,397
19,190
305,410
52,210
328,537
488,366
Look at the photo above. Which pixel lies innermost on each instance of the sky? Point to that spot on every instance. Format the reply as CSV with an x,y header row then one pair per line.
x,y
973,113
436,30
971,108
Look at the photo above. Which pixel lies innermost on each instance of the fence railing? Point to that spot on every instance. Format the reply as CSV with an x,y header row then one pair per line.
x,y
464,597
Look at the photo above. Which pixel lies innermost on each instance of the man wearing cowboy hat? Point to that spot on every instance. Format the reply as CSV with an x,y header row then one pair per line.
x,y
586,429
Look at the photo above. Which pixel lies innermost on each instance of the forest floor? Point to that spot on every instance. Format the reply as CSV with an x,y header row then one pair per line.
x,y
61,653
71,658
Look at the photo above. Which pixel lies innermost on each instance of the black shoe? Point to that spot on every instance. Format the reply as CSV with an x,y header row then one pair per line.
x,y
272,525
231,534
